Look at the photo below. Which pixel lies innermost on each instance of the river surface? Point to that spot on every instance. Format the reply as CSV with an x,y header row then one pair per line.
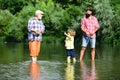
x,y
15,63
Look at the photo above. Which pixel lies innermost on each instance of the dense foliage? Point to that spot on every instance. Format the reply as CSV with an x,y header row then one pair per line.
x,y
59,16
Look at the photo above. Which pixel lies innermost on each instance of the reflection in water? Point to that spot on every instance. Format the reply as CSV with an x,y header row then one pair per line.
x,y
34,71
69,72
15,63
88,73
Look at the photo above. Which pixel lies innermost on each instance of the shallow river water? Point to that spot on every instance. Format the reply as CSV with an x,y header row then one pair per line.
x,y
15,63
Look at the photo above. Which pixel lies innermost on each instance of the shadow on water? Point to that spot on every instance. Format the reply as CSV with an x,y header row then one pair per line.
x,y
15,63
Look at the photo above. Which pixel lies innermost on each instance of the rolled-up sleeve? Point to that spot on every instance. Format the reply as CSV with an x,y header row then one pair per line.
x,y
30,25
42,27
96,23
83,26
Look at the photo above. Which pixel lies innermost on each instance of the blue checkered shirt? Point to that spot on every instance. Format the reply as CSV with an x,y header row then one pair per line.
x,y
36,25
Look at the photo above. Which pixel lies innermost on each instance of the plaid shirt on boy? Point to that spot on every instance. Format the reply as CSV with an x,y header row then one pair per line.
x,y
36,25
90,25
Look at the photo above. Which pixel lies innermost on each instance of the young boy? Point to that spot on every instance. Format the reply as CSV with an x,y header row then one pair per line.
x,y
69,44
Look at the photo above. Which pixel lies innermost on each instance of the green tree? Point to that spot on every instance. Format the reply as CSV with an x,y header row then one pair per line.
x,y
104,13
16,30
13,5
116,21
59,15
5,19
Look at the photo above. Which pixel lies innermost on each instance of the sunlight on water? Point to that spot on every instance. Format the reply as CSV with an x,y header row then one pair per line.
x,y
15,64
43,70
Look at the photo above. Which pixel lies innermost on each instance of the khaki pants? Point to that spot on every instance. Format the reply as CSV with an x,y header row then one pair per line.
x,y
34,47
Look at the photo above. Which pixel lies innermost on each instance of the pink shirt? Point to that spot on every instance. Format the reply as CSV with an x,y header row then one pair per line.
x,y
89,25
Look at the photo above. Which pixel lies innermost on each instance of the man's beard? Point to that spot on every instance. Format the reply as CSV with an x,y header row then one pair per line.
x,y
39,18
88,15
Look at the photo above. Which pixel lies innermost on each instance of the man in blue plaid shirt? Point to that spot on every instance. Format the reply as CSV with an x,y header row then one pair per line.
x,y
35,30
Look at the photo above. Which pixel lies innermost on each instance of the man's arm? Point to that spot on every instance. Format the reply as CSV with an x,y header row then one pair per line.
x,y
83,28
97,27
42,29
30,26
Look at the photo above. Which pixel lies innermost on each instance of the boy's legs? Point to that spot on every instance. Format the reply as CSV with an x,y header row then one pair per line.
x,y
68,56
73,55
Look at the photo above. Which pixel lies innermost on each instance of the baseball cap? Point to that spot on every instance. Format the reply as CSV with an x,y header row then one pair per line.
x,y
39,12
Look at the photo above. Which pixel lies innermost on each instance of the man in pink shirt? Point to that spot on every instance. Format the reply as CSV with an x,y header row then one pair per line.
x,y
89,26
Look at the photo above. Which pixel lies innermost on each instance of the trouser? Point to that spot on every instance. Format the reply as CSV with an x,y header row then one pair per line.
x,y
86,40
34,47
70,52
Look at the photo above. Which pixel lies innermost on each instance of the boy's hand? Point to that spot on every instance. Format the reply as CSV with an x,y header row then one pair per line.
x,y
65,33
